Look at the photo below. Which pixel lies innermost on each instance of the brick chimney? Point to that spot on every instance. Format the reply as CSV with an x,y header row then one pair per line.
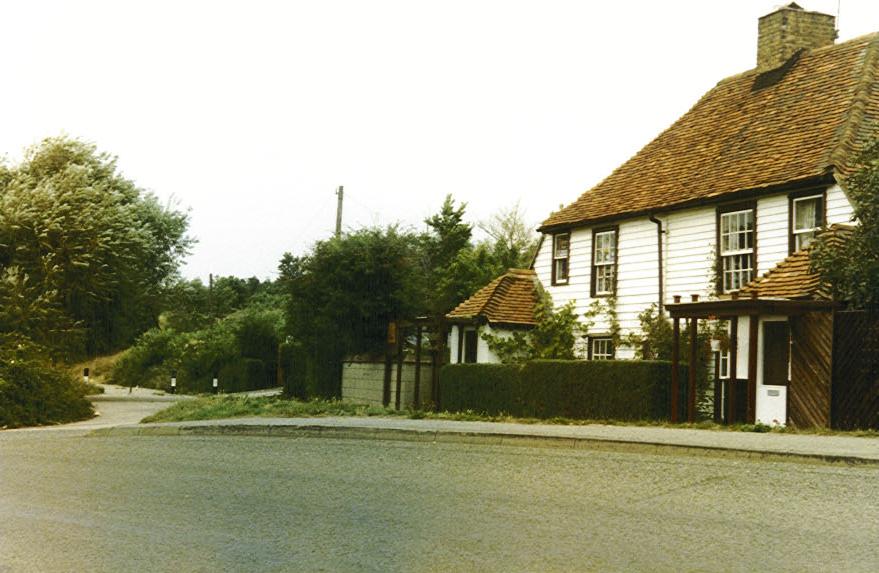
x,y
788,29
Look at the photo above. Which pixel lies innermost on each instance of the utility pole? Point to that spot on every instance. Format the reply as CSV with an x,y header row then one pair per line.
x,y
339,193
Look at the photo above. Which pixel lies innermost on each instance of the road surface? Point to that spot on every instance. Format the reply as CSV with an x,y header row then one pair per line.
x,y
70,502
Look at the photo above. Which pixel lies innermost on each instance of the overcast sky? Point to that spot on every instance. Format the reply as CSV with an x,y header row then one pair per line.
x,y
250,113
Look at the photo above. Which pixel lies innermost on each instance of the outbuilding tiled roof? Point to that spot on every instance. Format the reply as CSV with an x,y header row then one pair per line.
x,y
508,299
793,278
803,121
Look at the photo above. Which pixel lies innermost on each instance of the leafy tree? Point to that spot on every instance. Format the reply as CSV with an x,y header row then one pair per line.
x,y
514,244
850,264
343,294
554,337
84,245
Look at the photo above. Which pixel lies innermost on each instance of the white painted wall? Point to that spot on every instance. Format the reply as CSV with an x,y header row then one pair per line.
x,y
689,255
773,231
839,208
484,354
637,284
689,247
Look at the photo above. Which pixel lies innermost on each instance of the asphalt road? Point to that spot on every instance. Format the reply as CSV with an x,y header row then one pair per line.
x,y
74,503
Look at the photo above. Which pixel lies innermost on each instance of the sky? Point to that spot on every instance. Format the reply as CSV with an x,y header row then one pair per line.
x,y
249,114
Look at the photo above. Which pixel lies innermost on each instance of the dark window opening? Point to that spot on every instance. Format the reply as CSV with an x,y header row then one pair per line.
x,y
470,340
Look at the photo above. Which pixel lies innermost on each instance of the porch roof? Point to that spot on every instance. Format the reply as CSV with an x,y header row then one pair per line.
x,y
713,309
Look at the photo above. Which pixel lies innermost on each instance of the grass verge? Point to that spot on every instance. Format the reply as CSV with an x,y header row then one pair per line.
x,y
219,407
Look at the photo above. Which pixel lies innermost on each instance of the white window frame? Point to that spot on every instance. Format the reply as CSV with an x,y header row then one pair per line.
x,y
604,344
559,256
735,276
723,365
811,231
604,260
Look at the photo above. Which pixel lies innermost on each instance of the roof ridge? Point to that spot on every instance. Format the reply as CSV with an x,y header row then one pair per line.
x,y
850,129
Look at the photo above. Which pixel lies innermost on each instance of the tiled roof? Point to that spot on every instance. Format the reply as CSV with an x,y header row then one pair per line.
x,y
753,131
508,299
793,278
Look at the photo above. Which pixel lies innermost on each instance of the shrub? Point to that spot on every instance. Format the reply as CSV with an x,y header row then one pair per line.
x,y
241,349
33,393
616,389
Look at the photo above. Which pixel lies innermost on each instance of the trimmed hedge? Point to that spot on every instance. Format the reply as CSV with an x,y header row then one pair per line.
x,y
577,389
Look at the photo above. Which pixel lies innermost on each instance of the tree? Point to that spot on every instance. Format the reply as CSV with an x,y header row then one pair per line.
x,y
514,244
343,294
87,242
850,264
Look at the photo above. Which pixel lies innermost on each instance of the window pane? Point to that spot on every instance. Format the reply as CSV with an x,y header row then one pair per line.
x,y
602,349
806,214
561,270
803,239
562,244
605,251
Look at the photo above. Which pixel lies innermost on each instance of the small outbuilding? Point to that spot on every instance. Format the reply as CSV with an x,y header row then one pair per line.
x,y
504,305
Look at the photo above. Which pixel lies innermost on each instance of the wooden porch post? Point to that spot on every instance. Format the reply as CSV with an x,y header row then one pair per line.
x,y
752,368
718,392
733,360
675,365
691,373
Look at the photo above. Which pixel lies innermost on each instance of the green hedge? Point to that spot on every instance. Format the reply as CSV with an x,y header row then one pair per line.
x,y
577,389
33,394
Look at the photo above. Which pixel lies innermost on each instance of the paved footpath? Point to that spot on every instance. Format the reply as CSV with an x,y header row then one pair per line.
x,y
856,450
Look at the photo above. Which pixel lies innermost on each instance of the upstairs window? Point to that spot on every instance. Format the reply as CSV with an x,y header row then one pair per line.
x,y
737,242
561,254
604,262
807,217
600,348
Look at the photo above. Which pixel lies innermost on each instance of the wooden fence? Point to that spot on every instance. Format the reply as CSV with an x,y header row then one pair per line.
x,y
855,397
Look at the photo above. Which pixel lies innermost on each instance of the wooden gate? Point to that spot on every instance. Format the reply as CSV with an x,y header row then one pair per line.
x,y
809,390
855,396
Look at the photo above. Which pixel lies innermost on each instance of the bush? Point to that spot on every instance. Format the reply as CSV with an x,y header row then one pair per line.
x,y
241,349
144,364
33,393
615,389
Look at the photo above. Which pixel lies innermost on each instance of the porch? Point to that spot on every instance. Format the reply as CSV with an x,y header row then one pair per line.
x,y
779,361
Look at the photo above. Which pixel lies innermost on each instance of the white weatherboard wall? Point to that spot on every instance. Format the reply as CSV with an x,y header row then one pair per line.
x,y
839,208
484,354
773,231
637,268
689,253
689,256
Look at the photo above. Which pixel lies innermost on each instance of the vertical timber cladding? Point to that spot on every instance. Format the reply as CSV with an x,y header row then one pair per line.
x,y
811,351
855,397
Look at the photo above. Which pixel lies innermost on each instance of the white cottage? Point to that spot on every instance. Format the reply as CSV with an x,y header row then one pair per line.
x,y
743,180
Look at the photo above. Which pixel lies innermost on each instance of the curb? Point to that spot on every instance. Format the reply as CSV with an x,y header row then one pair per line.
x,y
483,438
